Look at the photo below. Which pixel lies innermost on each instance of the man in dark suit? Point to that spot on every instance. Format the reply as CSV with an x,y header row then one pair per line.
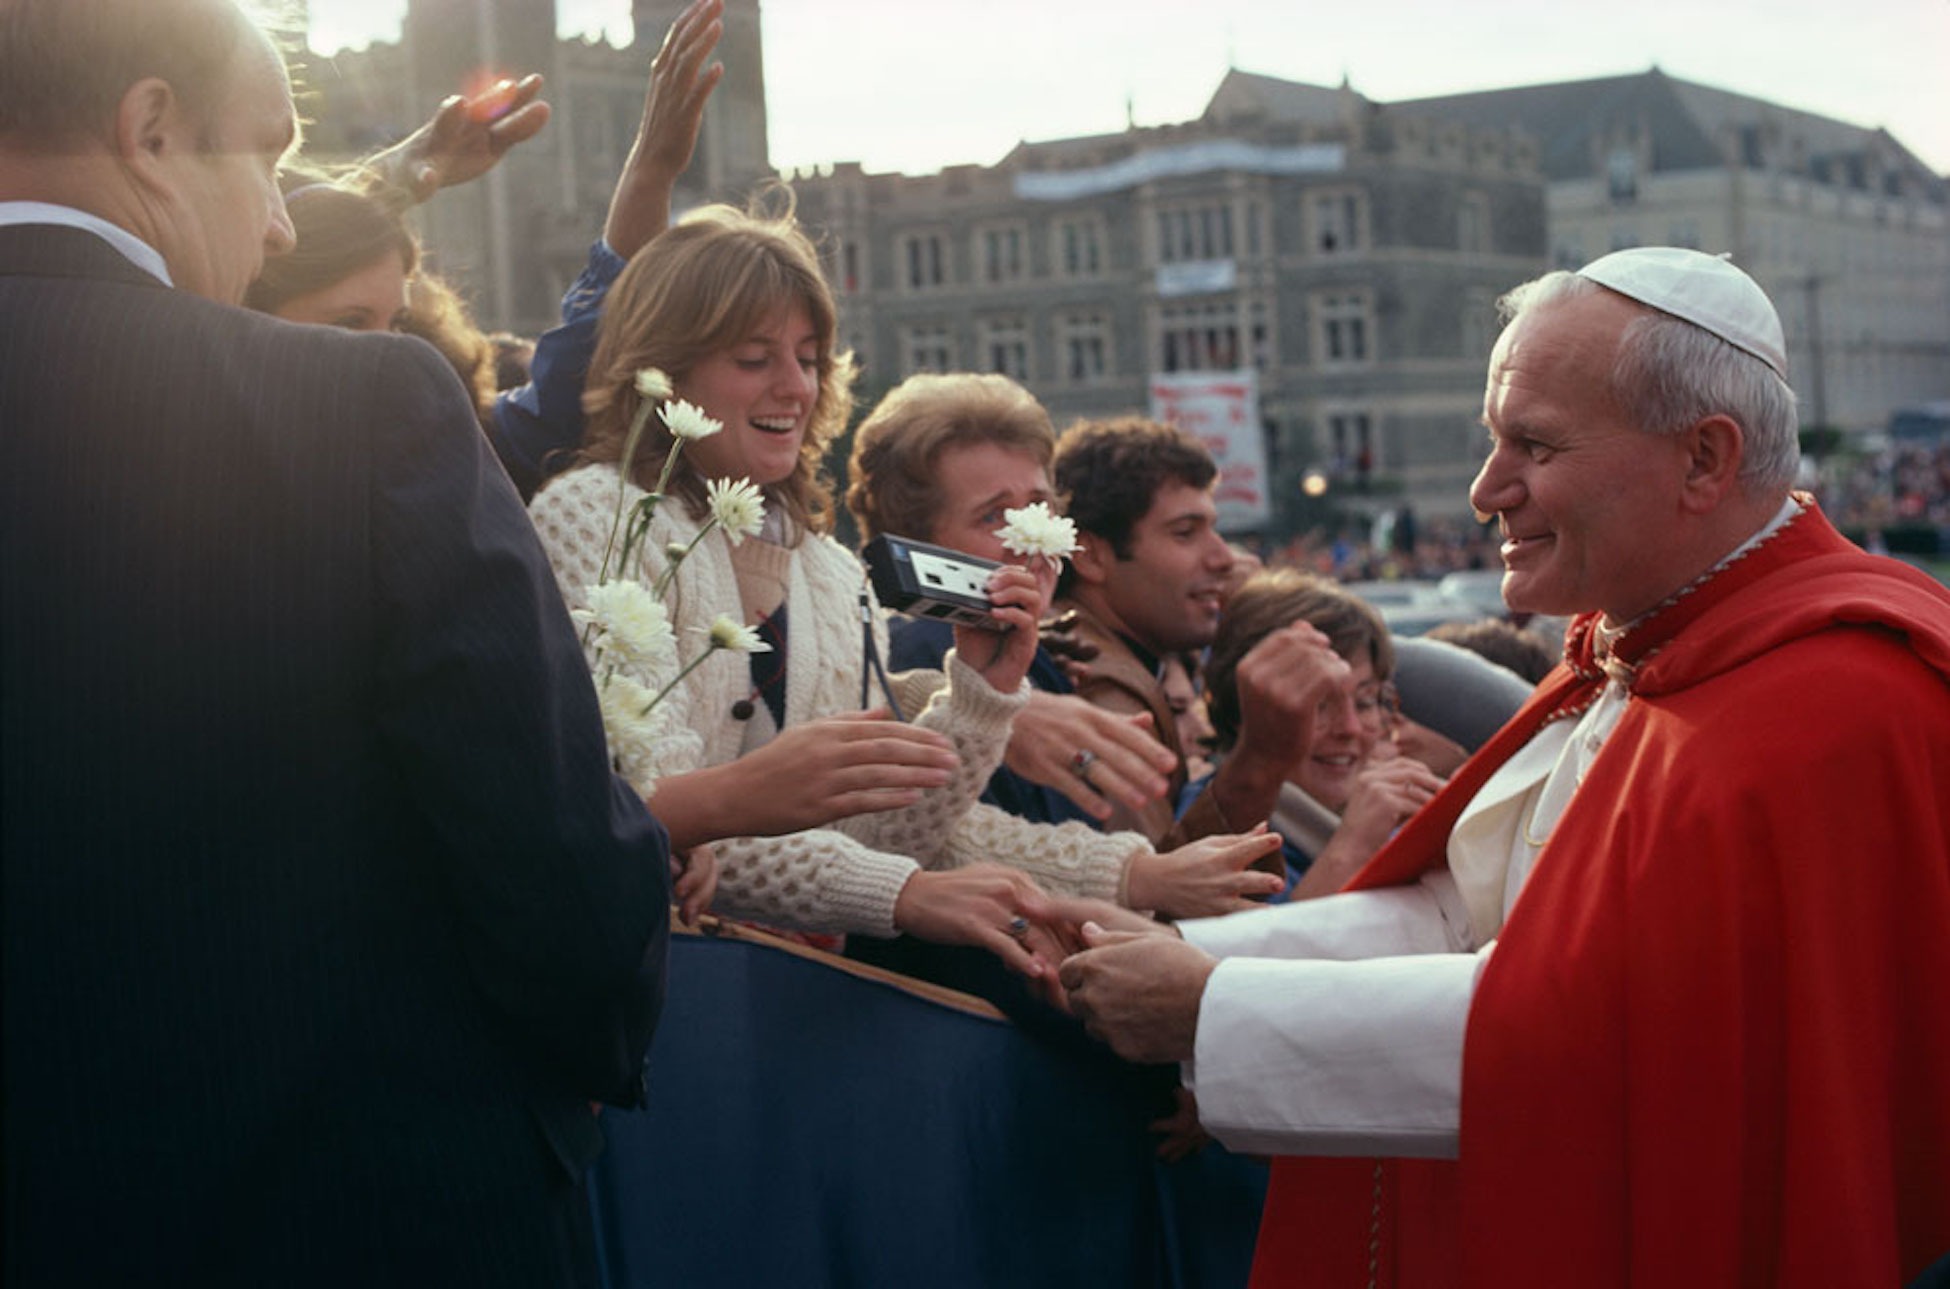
x,y
324,919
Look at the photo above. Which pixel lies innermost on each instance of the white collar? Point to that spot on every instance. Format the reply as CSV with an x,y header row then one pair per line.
x,y
133,248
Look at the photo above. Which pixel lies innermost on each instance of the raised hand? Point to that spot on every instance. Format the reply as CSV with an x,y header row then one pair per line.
x,y
1280,683
1385,794
1205,878
666,138
1125,763
465,138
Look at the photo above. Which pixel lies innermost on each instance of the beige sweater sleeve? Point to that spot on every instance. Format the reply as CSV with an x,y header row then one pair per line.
x,y
1065,859
977,720
817,880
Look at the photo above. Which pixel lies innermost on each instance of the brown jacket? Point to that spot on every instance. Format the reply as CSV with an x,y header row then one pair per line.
x,y
1119,681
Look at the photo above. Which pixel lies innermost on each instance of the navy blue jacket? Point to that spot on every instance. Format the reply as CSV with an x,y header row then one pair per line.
x,y
324,919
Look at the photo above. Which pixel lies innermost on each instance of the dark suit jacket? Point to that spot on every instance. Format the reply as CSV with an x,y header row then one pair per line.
x,y
324,919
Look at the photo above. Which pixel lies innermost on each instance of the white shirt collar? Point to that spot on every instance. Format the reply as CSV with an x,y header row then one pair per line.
x,y
133,248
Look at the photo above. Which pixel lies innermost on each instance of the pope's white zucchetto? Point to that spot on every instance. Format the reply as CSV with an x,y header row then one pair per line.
x,y
1705,290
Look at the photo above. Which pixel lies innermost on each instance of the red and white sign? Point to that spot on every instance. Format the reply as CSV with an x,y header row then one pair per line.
x,y
1221,410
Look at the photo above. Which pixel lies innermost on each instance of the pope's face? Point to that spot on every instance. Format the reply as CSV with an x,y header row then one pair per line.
x,y
1586,500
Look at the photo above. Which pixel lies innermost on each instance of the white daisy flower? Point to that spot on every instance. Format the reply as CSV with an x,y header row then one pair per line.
x,y
631,730
738,507
1034,530
728,633
688,422
653,384
633,625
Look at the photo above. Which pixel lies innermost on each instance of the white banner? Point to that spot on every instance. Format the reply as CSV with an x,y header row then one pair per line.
x,y
1221,410
1203,157
1197,277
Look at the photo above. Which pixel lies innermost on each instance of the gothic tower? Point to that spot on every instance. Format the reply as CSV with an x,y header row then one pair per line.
x,y
484,234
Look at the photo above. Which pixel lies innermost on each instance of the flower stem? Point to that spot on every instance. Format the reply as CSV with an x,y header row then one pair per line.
x,y
670,569
676,680
630,441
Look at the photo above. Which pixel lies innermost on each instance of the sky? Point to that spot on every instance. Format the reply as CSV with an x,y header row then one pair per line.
x,y
913,85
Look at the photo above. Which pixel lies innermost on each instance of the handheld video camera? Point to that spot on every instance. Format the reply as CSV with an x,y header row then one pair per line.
x,y
931,581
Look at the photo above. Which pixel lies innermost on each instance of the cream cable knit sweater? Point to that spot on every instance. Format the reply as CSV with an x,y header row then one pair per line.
x,y
843,878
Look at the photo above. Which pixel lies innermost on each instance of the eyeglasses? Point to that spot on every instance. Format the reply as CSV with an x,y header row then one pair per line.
x,y
1373,704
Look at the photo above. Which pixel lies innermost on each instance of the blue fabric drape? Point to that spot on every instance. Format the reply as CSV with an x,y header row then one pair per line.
x,y
810,1127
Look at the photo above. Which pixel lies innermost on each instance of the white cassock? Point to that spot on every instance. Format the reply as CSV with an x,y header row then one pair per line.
x,y
1335,1026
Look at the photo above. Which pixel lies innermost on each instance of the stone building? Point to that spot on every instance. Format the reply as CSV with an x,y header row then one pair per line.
x,y
1846,229
1346,252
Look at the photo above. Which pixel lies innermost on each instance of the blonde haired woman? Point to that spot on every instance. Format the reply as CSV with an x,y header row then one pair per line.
x,y
734,309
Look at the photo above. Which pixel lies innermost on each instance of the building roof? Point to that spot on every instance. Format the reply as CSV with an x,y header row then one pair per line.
x,y
1251,93
1689,127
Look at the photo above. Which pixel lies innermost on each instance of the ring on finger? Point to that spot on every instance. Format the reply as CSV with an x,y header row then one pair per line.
x,y
1080,763
1018,927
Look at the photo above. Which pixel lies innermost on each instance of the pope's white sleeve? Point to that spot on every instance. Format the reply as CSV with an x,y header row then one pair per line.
x,y
1334,1058
1428,917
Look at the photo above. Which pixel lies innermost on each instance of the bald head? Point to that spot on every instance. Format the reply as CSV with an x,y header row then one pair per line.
x,y
65,64
167,118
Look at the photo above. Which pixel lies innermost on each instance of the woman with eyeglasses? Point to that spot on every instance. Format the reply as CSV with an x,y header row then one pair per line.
x,y
1349,790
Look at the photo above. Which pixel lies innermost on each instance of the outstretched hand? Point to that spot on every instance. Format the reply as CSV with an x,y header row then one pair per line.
x,y
1205,878
980,904
806,777
466,137
1125,764
666,138
827,769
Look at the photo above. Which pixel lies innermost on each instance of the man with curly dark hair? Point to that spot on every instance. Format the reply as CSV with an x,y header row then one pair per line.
x,y
1150,582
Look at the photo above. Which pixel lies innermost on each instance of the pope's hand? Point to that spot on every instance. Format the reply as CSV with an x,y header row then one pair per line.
x,y
1139,993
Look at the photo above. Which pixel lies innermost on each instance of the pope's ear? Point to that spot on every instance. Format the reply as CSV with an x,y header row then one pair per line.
x,y
1092,559
1715,449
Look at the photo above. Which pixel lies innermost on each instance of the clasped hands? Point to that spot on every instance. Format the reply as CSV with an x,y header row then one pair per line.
x,y
1134,982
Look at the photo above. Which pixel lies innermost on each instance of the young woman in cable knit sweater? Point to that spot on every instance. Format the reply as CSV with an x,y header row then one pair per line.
x,y
771,750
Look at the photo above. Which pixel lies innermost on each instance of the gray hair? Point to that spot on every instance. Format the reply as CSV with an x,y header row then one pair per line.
x,y
1669,374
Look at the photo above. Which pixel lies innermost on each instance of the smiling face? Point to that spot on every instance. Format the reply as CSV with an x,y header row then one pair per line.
x,y
1588,503
976,483
371,299
224,213
1347,725
1168,592
763,388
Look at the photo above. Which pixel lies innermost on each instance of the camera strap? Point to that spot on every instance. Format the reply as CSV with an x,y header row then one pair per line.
x,y
870,668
